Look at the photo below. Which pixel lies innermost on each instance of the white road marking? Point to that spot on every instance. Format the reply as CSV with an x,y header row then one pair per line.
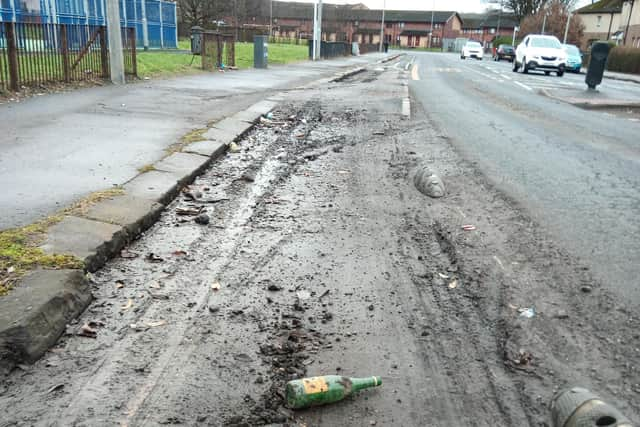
x,y
414,73
487,76
505,76
524,86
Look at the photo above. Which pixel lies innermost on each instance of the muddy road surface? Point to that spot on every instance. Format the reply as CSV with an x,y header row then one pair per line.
x,y
307,250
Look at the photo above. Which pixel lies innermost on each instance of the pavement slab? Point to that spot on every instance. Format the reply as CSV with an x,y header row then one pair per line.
x,y
207,148
133,213
233,126
157,186
248,116
34,314
218,135
91,241
263,107
184,164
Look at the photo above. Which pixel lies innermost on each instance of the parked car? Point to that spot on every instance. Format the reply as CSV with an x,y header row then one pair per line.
x,y
539,52
505,51
471,49
574,58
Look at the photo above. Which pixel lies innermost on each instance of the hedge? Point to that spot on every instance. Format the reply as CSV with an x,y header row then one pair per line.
x,y
624,60
504,40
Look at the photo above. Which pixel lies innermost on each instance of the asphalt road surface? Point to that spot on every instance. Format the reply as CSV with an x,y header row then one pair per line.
x,y
576,171
322,257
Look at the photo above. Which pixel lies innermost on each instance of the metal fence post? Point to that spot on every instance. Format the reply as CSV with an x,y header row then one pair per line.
x,y
12,50
203,50
220,50
64,47
232,52
104,52
132,42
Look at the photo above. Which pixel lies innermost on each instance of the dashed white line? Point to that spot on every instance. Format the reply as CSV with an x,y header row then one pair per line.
x,y
524,86
481,73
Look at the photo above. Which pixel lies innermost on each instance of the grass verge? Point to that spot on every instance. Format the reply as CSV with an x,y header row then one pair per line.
x,y
193,136
167,63
19,253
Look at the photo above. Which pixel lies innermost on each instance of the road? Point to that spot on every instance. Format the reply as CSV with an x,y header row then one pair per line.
x,y
576,171
57,149
322,257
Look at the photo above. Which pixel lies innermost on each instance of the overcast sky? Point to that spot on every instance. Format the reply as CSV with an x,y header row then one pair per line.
x,y
457,5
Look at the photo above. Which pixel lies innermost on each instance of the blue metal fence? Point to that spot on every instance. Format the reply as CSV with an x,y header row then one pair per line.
x,y
160,16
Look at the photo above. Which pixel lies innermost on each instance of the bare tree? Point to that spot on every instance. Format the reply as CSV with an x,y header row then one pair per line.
x,y
200,12
524,8
557,14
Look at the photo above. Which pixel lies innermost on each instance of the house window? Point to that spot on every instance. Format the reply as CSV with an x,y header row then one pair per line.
x,y
599,20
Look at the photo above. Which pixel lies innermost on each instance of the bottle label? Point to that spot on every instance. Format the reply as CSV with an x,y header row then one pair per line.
x,y
315,385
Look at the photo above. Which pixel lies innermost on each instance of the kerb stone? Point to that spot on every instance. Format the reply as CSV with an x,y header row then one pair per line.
x,y
218,135
186,165
207,148
36,312
262,107
135,214
232,126
157,186
92,241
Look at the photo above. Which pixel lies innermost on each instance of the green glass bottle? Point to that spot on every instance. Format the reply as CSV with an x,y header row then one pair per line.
x,y
316,391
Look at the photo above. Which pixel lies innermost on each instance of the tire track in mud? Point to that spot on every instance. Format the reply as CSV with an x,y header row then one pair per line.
x,y
566,342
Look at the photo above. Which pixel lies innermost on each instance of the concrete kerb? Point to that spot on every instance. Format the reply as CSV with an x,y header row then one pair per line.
x,y
35,314
344,75
391,58
341,76
591,105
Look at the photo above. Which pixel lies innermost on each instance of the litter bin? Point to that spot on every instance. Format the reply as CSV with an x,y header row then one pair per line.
x,y
260,51
196,40
599,55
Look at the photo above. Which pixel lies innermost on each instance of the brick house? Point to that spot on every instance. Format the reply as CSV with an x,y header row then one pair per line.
x,y
485,27
617,21
359,24
601,20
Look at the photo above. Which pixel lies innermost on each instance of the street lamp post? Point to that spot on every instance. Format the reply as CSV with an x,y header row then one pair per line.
x,y
270,18
317,30
431,27
384,6
566,29
515,30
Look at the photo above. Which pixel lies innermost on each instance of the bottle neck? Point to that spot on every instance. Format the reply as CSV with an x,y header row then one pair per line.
x,y
362,383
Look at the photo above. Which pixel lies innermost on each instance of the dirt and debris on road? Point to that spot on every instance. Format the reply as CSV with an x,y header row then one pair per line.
x,y
319,256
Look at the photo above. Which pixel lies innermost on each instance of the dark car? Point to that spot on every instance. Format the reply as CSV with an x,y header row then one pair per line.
x,y
505,51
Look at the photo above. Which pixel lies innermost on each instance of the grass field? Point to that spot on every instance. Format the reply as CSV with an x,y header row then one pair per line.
x,y
164,63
